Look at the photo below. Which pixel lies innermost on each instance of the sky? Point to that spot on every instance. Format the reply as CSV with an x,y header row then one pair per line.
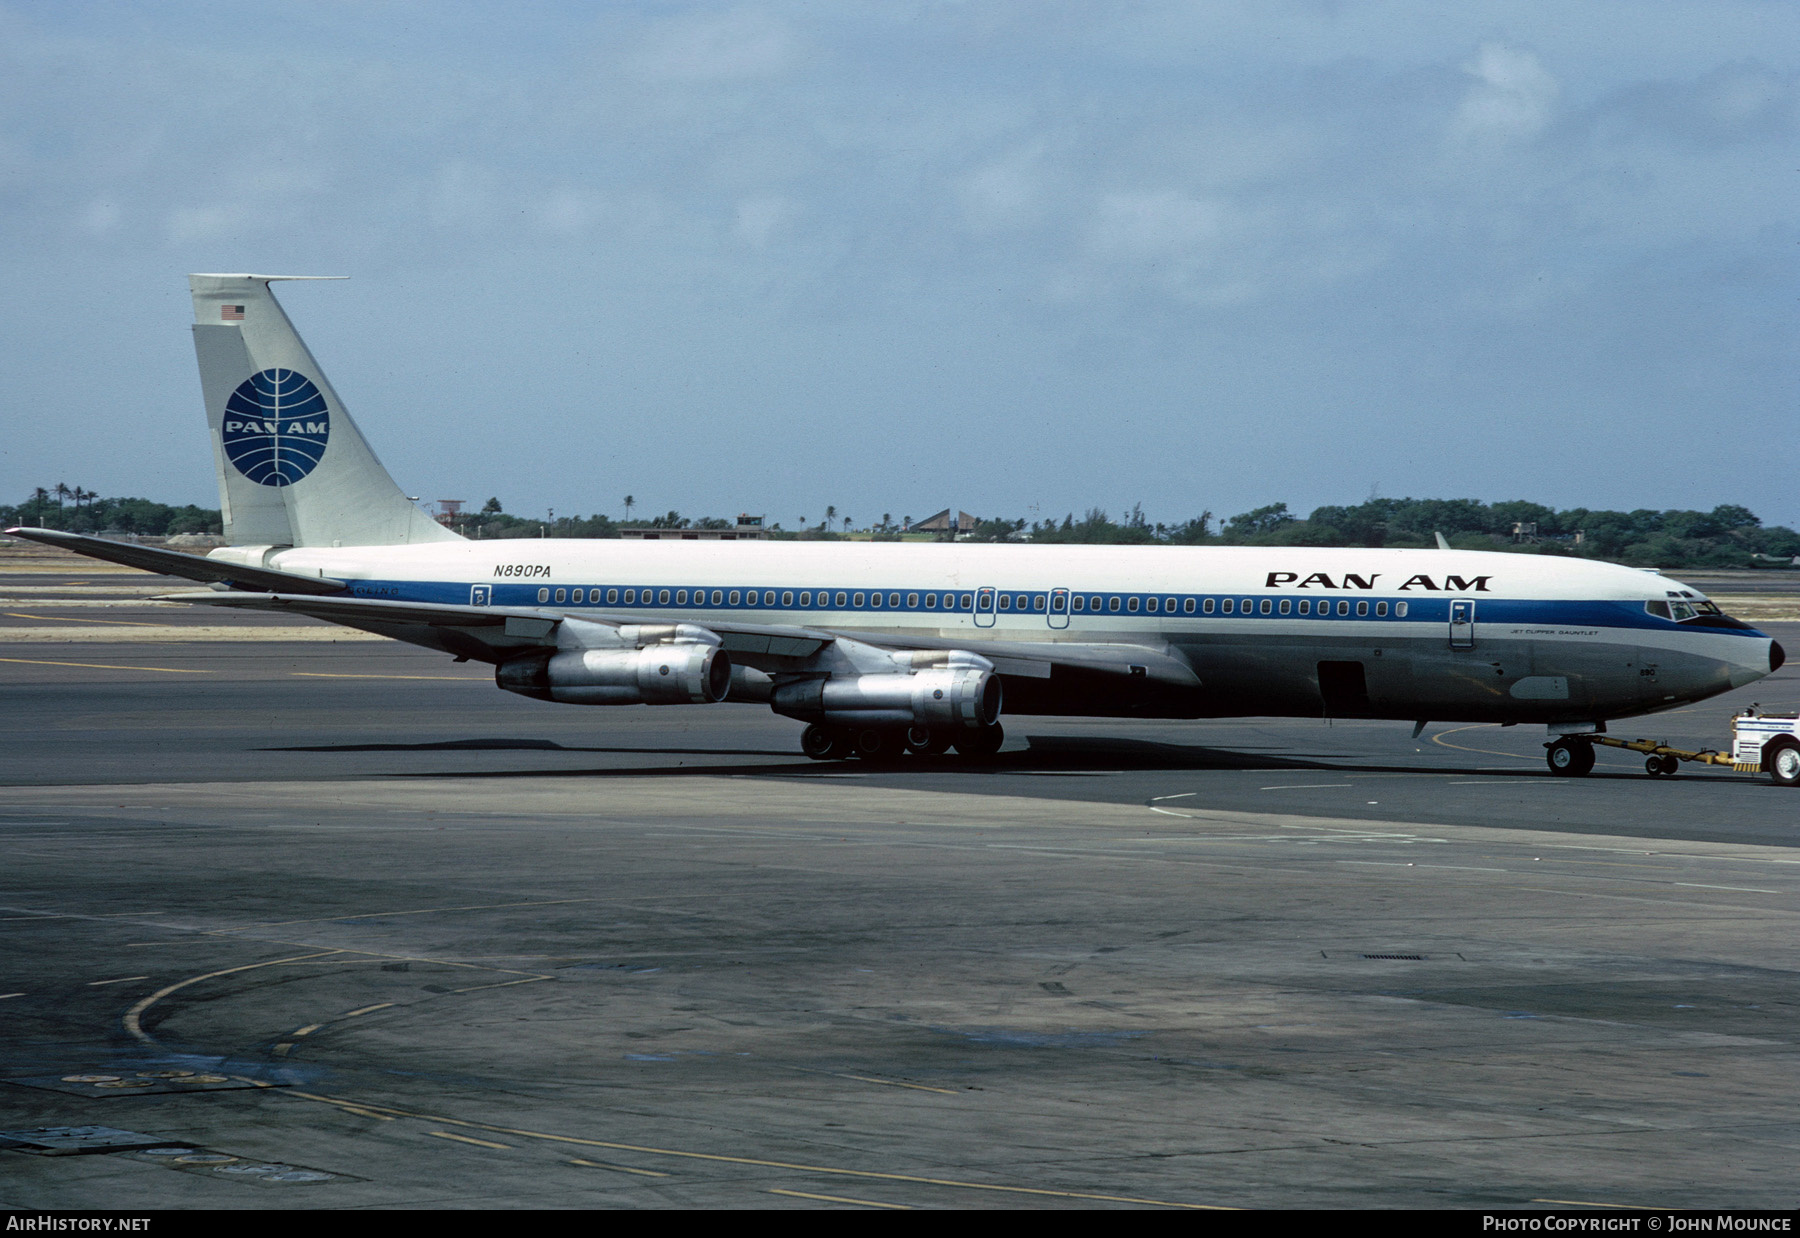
x,y
1023,259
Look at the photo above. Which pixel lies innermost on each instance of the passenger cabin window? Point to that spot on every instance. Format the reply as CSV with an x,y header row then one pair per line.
x,y
966,601
612,597
1228,606
1287,604
859,599
1150,605
894,599
840,599
1343,608
1037,603
681,597
1006,601
734,597
543,595
1362,608
1381,610
1188,606
1207,606
1306,606
1265,607
1131,604
1080,602
1112,603
912,601
1399,610
562,595
662,597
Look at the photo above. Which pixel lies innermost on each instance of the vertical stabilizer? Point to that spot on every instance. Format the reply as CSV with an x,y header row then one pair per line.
x,y
293,468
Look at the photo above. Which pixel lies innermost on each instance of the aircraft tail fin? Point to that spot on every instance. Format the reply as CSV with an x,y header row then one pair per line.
x,y
293,468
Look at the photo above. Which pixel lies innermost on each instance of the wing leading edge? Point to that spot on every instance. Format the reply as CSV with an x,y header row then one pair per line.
x,y
1049,677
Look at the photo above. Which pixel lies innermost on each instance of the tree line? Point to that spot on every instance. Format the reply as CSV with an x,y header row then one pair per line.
x,y
1728,536
82,511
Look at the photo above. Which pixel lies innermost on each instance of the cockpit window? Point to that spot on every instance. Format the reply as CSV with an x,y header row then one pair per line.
x,y
1682,612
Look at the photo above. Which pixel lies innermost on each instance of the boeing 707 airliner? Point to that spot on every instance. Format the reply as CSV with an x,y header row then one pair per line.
x,y
884,648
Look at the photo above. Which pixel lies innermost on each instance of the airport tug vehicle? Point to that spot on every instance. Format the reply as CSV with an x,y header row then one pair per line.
x,y
1760,742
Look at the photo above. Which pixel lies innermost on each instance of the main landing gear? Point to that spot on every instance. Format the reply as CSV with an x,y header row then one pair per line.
x,y
835,743
1571,756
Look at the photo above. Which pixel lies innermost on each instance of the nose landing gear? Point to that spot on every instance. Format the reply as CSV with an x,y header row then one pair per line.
x,y
1571,756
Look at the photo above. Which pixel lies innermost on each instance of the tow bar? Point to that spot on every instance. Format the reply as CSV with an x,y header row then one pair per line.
x,y
1660,759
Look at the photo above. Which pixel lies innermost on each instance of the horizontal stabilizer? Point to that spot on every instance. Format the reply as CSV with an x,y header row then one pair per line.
x,y
175,563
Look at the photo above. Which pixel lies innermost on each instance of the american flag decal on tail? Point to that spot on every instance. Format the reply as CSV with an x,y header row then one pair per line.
x,y
231,313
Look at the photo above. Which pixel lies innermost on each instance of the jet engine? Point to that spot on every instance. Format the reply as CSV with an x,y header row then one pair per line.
x,y
681,665
962,693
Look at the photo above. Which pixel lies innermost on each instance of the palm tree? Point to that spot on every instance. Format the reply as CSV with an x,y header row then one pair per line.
x,y
629,504
830,515
62,492
846,524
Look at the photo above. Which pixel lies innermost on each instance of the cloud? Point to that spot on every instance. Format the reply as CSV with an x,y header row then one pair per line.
x,y
741,45
757,219
1512,100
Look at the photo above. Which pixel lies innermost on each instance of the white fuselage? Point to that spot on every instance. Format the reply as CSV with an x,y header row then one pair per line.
x,y
1445,634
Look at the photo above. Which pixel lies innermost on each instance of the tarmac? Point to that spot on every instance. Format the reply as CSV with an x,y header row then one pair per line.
x,y
311,920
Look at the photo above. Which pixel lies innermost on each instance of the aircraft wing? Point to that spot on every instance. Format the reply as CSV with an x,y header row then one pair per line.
x,y
1041,676
176,563
497,633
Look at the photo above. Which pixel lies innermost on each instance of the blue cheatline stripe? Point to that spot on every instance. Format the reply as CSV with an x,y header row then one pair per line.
x,y
912,603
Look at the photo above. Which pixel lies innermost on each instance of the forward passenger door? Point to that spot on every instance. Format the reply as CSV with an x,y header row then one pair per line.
x,y
1462,623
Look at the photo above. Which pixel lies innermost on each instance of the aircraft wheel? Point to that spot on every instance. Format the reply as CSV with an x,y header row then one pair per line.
x,y
1570,757
873,745
1660,766
1670,764
824,743
1782,760
926,742
984,742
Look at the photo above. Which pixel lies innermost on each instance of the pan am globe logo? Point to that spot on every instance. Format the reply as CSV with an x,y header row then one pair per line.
x,y
276,424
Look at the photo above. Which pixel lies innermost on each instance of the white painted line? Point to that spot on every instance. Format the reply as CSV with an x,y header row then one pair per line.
x,y
1303,786
94,984
1184,795
1695,885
